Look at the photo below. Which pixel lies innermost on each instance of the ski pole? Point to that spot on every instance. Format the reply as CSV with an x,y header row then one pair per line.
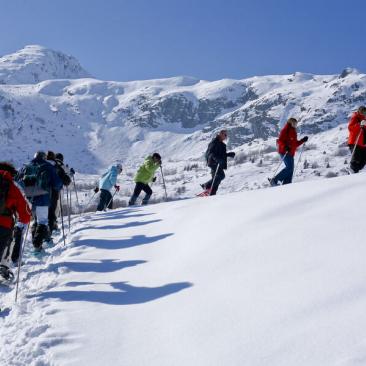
x,y
76,191
20,262
279,165
162,175
68,197
105,207
214,178
298,160
89,202
62,220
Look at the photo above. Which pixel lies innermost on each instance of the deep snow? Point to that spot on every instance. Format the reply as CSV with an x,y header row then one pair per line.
x,y
266,277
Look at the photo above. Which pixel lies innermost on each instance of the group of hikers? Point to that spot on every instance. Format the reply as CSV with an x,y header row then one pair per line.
x,y
33,192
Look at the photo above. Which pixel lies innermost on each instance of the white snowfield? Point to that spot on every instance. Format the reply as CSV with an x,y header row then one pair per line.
x,y
267,277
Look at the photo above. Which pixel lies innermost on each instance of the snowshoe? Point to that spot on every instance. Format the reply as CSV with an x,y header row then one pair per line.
x,y
39,252
6,275
272,183
205,193
49,242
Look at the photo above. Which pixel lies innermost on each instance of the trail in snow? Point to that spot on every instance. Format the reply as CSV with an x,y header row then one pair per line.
x,y
271,276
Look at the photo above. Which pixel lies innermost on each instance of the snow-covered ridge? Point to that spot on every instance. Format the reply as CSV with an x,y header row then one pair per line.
x,y
95,122
34,63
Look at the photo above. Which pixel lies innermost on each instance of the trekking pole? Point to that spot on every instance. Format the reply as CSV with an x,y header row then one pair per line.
x,y
76,191
68,197
62,220
214,178
162,175
298,160
111,199
279,165
89,202
20,261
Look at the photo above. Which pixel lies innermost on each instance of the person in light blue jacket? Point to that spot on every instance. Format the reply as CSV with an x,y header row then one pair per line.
x,y
106,182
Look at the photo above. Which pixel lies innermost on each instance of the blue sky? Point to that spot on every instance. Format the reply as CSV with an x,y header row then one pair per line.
x,y
144,39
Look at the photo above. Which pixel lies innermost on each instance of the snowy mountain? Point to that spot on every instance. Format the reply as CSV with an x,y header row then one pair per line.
x,y
95,122
267,277
34,64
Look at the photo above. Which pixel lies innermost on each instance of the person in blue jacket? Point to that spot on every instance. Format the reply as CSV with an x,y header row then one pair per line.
x,y
106,182
38,179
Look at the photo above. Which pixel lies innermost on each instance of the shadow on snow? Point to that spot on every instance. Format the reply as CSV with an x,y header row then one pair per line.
x,y
112,227
134,241
125,295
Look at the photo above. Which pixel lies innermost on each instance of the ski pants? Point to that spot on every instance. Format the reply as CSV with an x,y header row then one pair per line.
x,y
52,218
285,175
359,158
214,185
6,237
138,188
105,199
40,230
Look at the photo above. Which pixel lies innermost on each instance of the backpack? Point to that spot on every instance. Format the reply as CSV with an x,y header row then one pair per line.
x,y
35,178
4,191
208,151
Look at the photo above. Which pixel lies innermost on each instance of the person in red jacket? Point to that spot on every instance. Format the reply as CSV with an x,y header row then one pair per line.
x,y
357,139
287,146
13,205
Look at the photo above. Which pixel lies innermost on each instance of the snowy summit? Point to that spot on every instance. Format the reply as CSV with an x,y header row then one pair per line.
x,y
34,64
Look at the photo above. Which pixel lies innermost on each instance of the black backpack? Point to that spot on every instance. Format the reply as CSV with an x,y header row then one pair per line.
x,y
4,192
209,151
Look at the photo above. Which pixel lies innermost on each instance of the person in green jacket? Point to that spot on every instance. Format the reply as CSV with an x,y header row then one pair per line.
x,y
144,176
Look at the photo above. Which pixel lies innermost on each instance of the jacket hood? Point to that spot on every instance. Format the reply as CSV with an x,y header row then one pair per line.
x,y
6,175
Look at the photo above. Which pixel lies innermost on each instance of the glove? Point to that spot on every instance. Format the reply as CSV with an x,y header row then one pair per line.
x,y
117,188
304,139
154,179
363,123
287,148
231,154
72,171
96,190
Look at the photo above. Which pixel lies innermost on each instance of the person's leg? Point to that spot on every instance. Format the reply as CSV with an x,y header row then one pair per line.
x,y
356,161
136,193
52,218
280,177
103,202
208,184
146,188
220,176
109,200
362,159
17,242
289,162
6,236
42,232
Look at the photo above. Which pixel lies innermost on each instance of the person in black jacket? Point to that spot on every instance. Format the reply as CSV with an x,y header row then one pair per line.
x,y
216,157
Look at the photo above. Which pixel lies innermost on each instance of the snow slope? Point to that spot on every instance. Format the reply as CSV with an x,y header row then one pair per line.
x,y
265,277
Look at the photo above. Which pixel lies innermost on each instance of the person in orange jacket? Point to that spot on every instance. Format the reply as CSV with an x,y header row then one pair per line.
x,y
287,146
357,139
13,205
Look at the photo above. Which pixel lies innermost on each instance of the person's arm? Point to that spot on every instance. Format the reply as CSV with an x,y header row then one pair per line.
x,y
22,207
113,176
